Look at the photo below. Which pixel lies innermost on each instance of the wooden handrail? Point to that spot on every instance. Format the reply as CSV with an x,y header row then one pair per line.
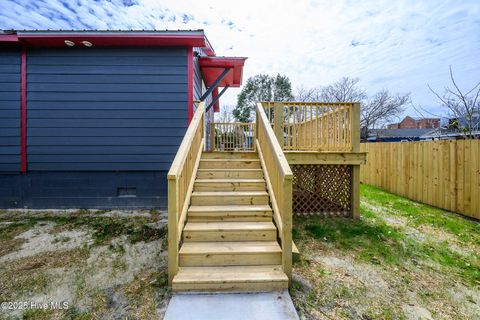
x,y
278,176
314,126
181,178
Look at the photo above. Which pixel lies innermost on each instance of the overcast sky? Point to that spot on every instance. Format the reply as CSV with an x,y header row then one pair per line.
x,y
399,45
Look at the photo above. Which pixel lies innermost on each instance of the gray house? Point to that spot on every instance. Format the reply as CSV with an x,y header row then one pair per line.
x,y
94,119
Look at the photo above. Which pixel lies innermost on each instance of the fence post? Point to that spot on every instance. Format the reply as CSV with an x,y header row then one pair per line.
x,y
355,127
278,120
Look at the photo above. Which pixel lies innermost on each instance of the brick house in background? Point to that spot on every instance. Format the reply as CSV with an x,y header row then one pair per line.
x,y
416,123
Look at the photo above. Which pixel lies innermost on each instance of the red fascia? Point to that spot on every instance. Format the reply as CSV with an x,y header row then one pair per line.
x,y
190,83
23,111
8,38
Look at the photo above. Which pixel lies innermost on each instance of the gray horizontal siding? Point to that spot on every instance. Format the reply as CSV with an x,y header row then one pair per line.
x,y
97,166
105,87
102,109
105,123
102,78
101,141
106,105
102,69
101,150
105,96
9,110
106,114
101,132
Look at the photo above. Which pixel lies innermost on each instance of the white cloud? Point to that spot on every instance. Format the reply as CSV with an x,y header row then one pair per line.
x,y
400,45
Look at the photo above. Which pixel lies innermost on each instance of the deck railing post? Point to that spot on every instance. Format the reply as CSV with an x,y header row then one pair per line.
x,y
355,135
278,120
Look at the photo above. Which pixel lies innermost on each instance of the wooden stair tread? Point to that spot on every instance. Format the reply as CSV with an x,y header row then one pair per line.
x,y
266,273
229,226
229,164
223,173
230,208
230,155
219,248
228,193
227,169
230,180
230,160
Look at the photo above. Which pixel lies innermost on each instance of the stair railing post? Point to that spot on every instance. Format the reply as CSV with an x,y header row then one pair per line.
x,y
173,199
212,136
278,122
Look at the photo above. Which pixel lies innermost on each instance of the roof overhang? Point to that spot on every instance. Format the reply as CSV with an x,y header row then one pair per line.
x,y
212,68
109,38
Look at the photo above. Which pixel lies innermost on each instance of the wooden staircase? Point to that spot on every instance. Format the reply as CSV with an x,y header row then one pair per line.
x,y
229,242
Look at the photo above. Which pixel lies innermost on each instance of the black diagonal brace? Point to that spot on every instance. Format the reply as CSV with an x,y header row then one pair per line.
x,y
214,84
216,98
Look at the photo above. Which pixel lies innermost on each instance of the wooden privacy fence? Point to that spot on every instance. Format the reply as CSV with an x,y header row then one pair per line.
x,y
444,174
232,136
313,126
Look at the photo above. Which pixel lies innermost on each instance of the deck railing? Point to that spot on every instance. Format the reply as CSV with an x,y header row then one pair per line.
x,y
232,136
313,126
181,178
279,183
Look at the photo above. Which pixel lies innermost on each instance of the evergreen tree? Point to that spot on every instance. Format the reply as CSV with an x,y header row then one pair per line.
x,y
258,88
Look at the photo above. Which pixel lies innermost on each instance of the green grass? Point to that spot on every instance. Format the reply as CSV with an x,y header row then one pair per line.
x,y
373,240
420,214
416,249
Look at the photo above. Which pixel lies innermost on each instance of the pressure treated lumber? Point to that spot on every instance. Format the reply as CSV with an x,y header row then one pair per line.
x,y
230,231
198,254
231,278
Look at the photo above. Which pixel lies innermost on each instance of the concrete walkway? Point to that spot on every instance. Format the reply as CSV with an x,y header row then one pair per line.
x,y
232,306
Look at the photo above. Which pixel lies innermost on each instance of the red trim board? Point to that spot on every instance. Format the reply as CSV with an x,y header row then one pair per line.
x,y
190,83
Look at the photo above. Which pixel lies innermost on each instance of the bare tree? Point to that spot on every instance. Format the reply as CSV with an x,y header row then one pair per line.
x,y
380,109
462,105
375,111
225,114
343,90
304,94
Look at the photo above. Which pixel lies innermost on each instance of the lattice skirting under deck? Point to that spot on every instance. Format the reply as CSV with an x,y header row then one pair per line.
x,y
322,189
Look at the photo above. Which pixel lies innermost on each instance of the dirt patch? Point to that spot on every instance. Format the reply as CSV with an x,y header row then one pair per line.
x,y
358,273
415,312
115,278
118,266
469,298
38,239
